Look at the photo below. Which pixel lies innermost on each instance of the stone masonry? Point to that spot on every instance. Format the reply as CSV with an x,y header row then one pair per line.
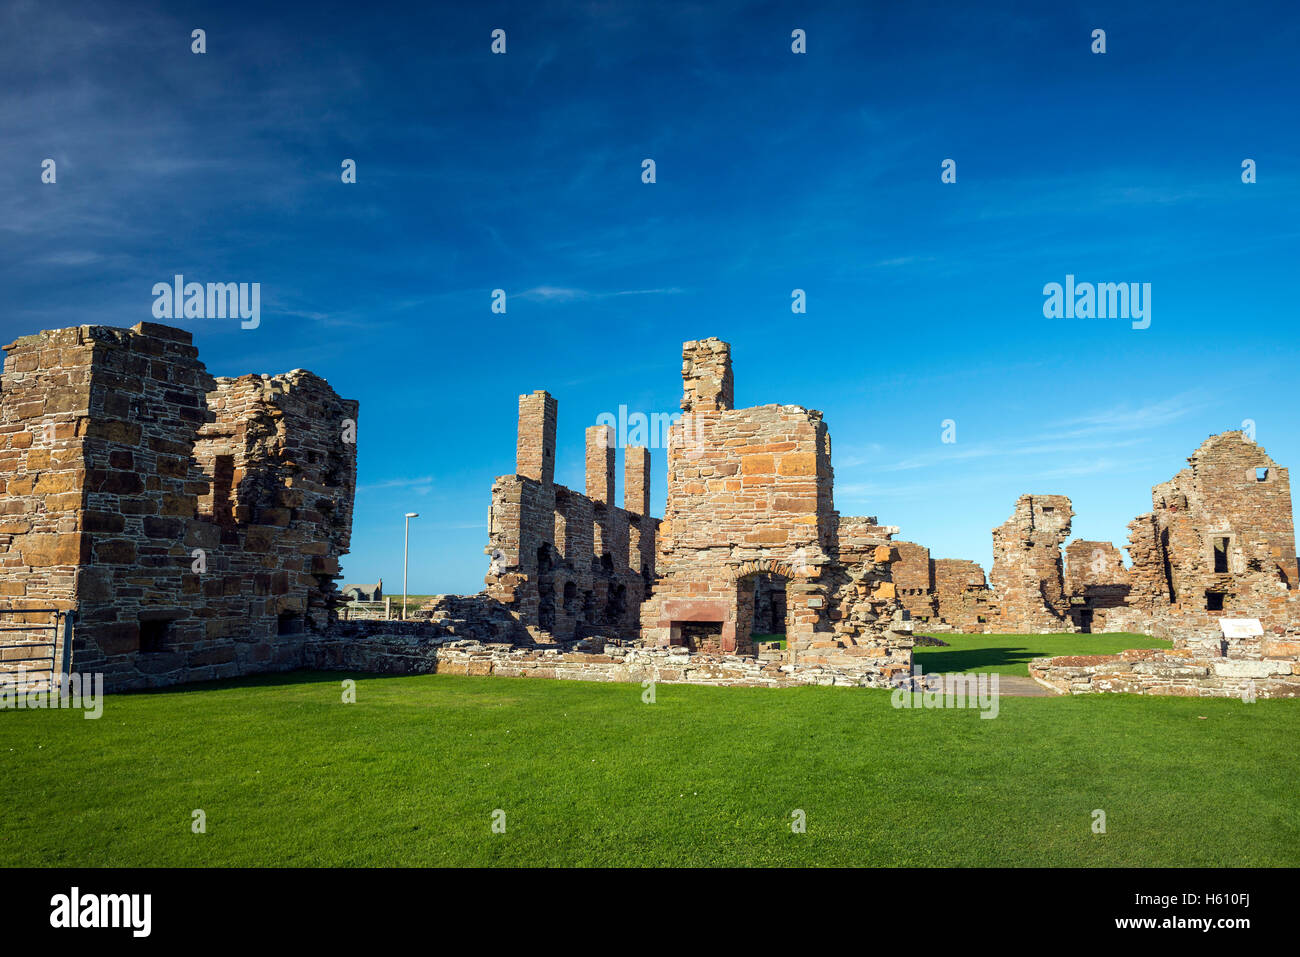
x,y
193,524
945,594
1218,543
1028,572
564,564
750,493
750,542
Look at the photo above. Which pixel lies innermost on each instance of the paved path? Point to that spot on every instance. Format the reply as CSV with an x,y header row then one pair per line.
x,y
1015,686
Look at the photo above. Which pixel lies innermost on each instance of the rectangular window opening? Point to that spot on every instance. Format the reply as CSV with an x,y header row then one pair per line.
x,y
153,636
1221,554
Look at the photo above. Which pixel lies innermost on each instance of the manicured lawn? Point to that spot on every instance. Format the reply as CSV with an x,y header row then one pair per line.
x,y
1011,654
587,774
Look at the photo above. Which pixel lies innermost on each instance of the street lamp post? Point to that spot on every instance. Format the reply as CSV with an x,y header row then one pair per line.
x,y
406,547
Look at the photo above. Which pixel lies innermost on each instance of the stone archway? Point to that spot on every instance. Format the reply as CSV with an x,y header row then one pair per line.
x,y
762,565
762,606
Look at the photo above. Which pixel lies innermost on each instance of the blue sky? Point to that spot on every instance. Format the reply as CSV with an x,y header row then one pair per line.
x,y
775,171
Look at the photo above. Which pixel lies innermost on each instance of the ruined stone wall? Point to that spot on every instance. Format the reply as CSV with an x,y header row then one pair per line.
x,y
743,486
962,596
750,493
869,628
1218,543
397,650
944,594
566,565
1097,583
1028,573
44,540
913,576
150,609
1261,668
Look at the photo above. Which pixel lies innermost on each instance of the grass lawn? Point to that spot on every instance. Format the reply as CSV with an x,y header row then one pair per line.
x,y
587,774
1011,654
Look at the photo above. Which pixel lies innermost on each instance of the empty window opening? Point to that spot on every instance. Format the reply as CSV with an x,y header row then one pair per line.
x,y
615,603
288,623
546,608
153,636
1221,554
545,558
1214,600
1261,474
570,598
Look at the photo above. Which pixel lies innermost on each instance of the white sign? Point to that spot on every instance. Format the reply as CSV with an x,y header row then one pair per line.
x,y
1241,627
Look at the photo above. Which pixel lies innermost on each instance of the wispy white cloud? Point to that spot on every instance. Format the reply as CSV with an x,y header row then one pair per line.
x,y
570,294
1130,418
421,484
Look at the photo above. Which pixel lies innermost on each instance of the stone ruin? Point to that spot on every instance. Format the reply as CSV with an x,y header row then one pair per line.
x,y
750,540
570,565
1028,572
944,594
1218,543
193,523
194,526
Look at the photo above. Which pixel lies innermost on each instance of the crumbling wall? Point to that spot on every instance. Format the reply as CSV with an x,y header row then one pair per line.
x,y
1028,573
1218,543
750,494
944,594
963,599
162,593
1267,667
913,576
1097,584
567,565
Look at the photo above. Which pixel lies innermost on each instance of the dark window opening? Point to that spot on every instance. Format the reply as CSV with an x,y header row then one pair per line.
x,y
153,636
570,598
223,488
288,623
546,609
1214,600
607,562
545,558
615,603
1220,554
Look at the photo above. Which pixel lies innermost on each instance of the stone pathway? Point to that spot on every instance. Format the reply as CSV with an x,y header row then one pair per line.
x,y
1015,686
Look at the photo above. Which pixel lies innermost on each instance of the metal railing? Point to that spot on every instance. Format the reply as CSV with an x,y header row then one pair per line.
x,y
366,610
38,651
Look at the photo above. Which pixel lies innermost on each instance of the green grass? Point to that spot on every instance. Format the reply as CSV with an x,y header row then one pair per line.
x,y
1011,654
589,775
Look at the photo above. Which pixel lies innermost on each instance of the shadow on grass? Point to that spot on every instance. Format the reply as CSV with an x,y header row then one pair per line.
x,y
271,679
974,659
